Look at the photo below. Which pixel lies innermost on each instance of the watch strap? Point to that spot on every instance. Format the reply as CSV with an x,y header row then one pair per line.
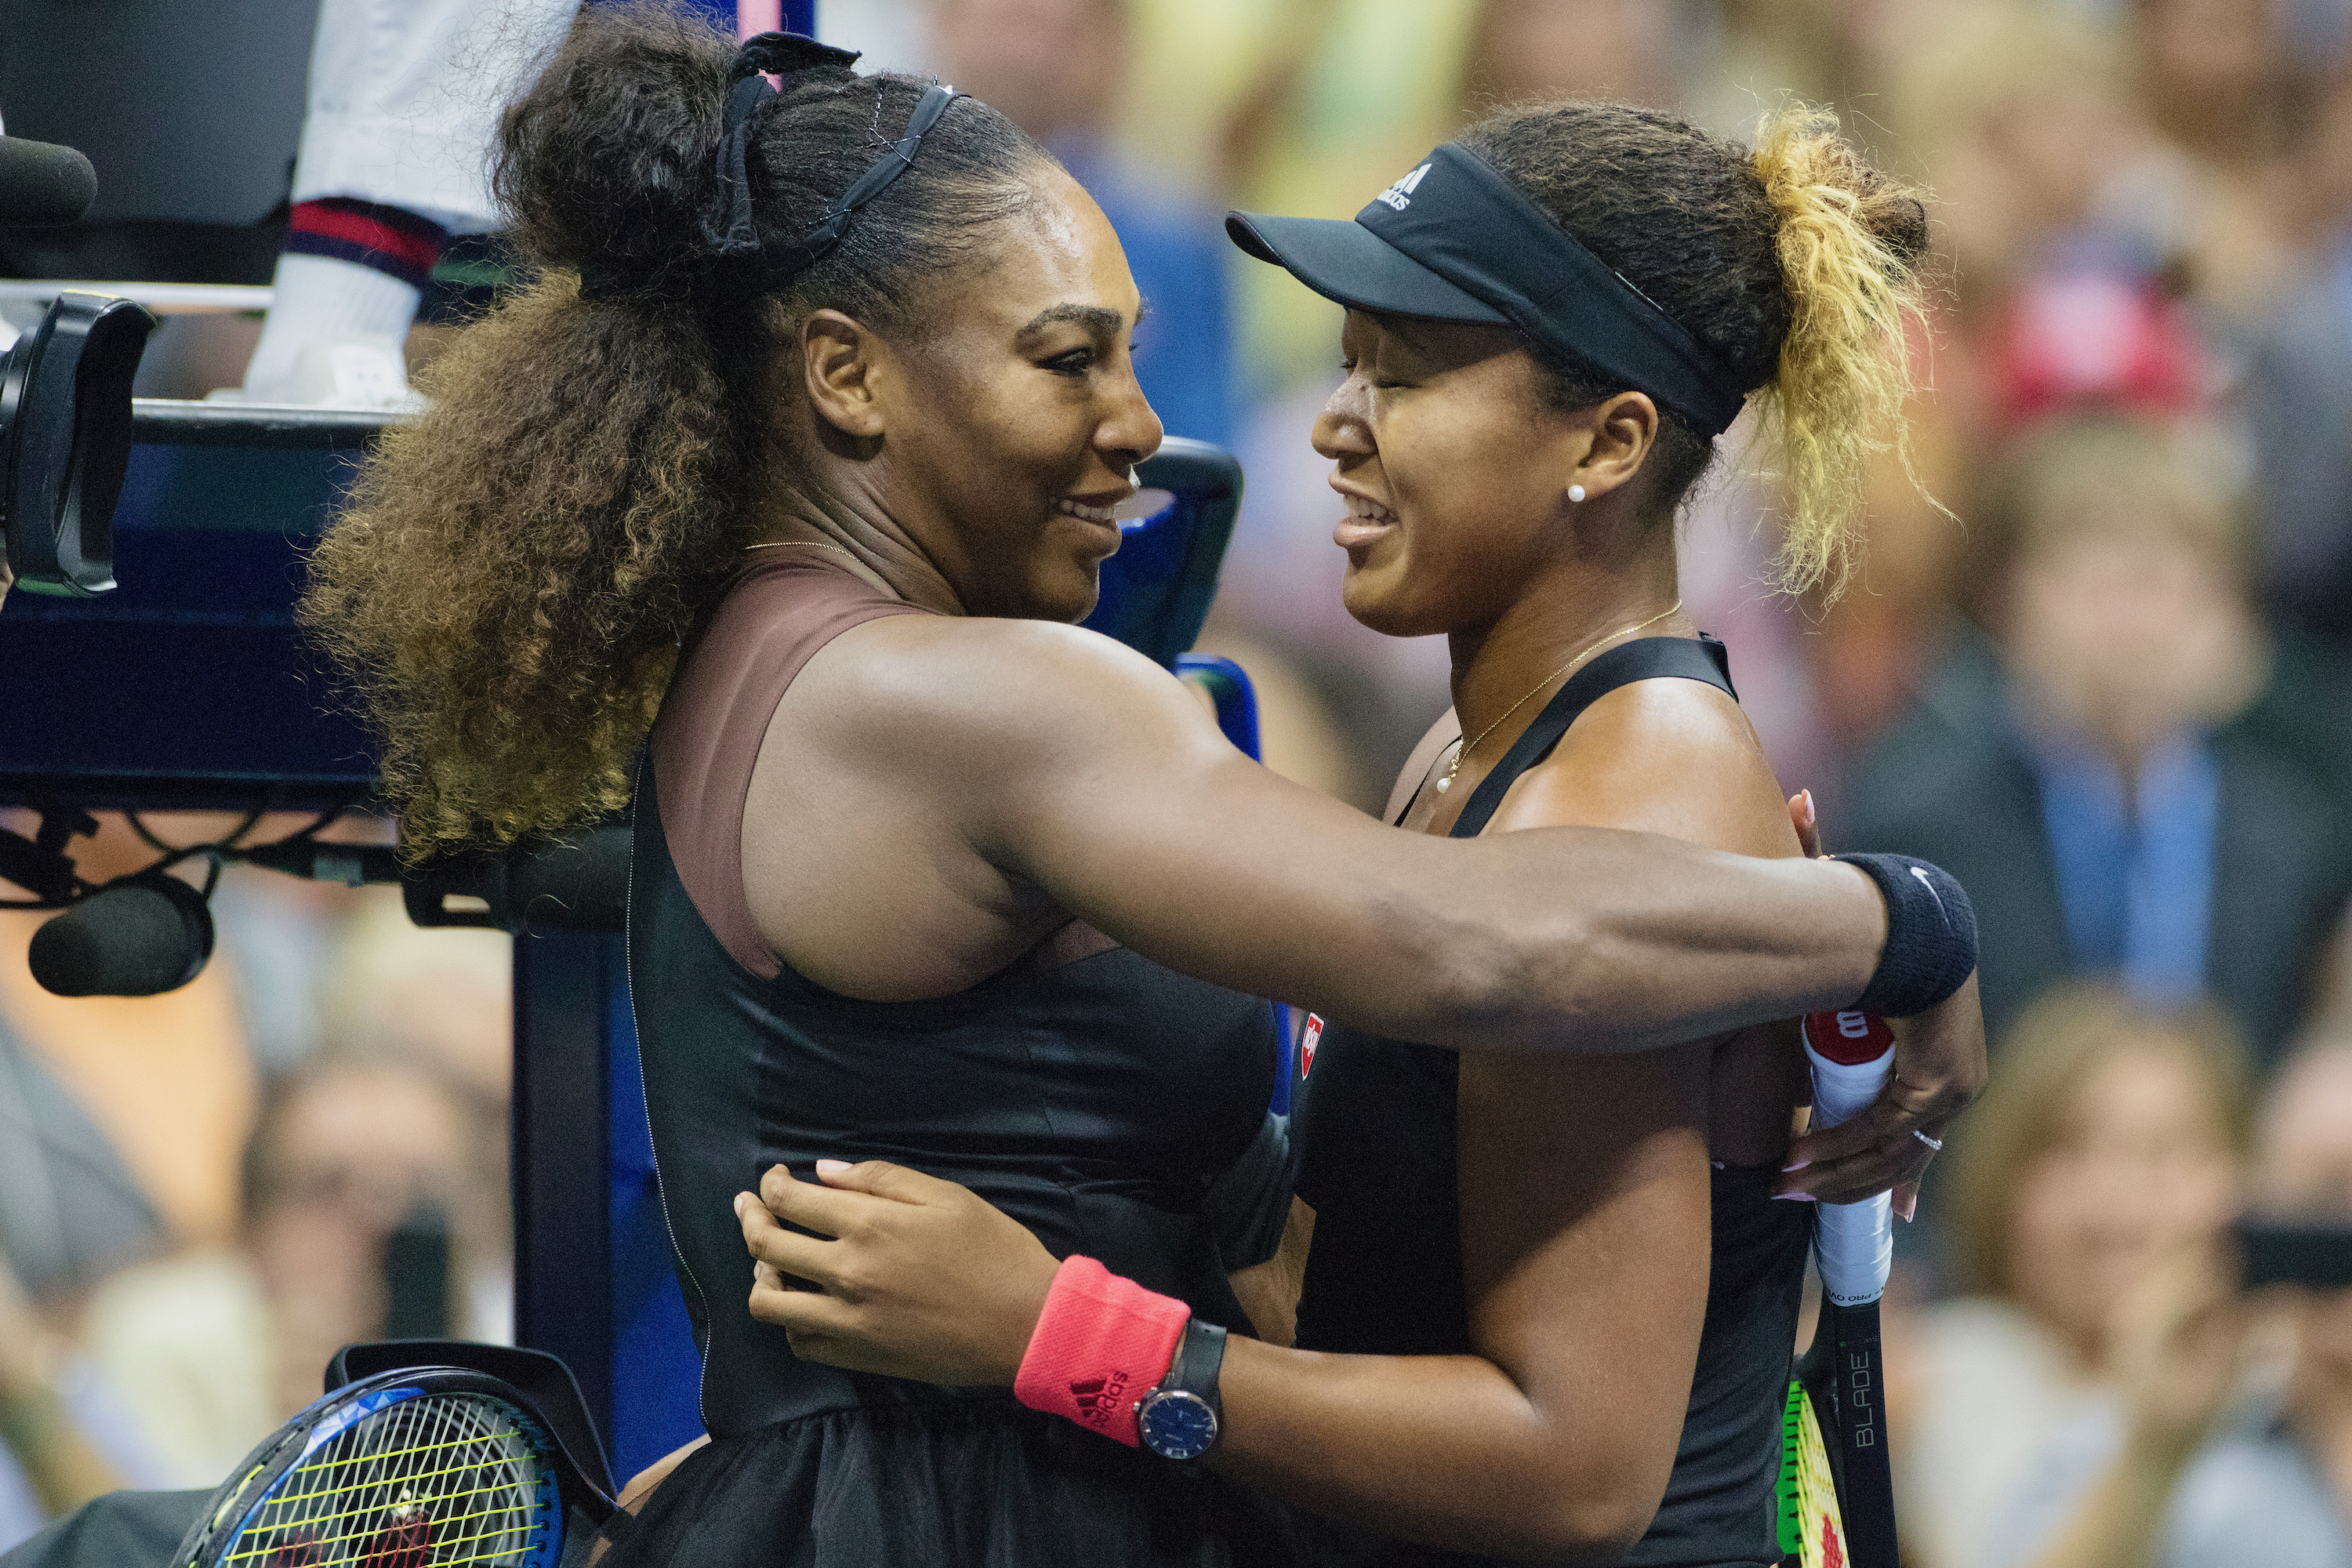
x,y
1200,1357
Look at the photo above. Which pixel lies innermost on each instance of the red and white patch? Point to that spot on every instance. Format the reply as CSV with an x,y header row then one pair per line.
x,y
1308,1040
1850,1038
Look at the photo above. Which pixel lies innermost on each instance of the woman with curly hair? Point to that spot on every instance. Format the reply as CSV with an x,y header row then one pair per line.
x,y
799,453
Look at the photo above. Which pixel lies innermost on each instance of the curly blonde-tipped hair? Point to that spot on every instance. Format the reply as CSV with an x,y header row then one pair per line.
x,y
509,584
1845,366
1796,265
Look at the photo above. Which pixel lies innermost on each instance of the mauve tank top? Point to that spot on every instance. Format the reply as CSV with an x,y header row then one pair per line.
x,y
1093,1095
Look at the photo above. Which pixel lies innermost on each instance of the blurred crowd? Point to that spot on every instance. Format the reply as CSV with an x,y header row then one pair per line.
x,y
2104,677
205,1193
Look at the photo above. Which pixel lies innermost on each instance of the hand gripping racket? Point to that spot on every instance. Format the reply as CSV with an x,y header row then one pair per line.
x,y
1837,1492
423,1467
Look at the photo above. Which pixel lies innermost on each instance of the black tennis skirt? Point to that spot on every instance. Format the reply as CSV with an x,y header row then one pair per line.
x,y
975,1482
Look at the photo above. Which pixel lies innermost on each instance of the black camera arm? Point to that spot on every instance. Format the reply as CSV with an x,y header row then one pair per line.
x,y
40,864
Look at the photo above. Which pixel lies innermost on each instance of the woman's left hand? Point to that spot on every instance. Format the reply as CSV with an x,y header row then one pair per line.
x,y
907,1275
1939,1067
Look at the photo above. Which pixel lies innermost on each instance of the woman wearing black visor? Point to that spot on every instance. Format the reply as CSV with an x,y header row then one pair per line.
x,y
1564,1289
803,435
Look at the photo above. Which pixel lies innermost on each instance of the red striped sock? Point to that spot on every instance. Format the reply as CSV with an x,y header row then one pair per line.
x,y
393,240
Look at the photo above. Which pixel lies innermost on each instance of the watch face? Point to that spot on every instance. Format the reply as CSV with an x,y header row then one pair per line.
x,y
1177,1426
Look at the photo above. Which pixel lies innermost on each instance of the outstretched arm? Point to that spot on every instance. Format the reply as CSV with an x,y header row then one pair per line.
x,y
1585,1226
1149,824
1055,762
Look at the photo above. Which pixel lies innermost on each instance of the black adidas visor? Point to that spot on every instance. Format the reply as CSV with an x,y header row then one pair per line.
x,y
1455,241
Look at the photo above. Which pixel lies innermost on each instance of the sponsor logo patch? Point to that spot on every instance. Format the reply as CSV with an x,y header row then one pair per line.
x,y
1928,882
1400,196
1308,1041
1096,1397
1849,1037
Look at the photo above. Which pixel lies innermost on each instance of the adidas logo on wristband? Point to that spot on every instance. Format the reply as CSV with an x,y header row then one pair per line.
x,y
1095,1346
1096,1397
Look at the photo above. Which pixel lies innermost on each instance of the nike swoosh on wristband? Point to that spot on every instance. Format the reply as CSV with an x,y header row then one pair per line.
x,y
1921,872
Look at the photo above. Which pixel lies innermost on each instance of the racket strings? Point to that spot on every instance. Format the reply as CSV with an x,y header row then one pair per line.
x,y
1812,1527
375,1494
364,1510
336,1485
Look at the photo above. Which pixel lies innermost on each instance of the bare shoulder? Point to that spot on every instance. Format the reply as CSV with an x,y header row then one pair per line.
x,y
1679,758
979,688
1668,756
1417,767
904,759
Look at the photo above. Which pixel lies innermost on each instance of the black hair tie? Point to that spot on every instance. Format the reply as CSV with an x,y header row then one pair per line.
x,y
727,229
726,225
740,266
812,247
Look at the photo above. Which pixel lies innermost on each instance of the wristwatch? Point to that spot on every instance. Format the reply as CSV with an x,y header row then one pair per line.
x,y
1179,1419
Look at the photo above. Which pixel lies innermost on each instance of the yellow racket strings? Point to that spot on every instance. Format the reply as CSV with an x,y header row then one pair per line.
x,y
1812,1528
380,1477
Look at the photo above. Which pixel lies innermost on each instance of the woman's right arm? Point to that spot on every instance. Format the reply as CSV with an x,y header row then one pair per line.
x,y
1021,755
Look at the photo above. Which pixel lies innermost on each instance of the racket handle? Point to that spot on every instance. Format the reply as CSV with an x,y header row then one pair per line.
x,y
1851,1056
1855,1245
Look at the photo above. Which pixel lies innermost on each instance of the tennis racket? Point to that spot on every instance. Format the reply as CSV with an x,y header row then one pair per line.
x,y
1837,1491
425,1468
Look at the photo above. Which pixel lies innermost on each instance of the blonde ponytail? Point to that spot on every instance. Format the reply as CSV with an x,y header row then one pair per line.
x,y
1850,242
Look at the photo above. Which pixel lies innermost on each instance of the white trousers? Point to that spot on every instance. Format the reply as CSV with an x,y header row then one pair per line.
x,y
405,98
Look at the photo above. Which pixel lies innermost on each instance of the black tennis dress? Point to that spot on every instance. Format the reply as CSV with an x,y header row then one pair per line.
x,y
1114,1107
1375,1127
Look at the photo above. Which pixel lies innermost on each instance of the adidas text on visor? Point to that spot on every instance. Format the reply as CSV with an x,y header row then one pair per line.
x,y
1455,241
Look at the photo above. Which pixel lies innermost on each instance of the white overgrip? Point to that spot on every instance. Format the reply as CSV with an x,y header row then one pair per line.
x,y
1853,1243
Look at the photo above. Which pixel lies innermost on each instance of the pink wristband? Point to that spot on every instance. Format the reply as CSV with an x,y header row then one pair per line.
x,y
1102,1343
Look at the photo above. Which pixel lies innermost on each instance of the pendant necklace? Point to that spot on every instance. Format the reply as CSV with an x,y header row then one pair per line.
x,y
1454,766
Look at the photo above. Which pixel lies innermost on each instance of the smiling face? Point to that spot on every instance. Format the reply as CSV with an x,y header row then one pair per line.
x,y
2139,1167
1010,428
1453,469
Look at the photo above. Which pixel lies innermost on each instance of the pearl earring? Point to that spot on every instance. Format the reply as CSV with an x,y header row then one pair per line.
x,y
1576,492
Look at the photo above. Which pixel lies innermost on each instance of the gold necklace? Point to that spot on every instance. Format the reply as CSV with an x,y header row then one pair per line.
x,y
1455,765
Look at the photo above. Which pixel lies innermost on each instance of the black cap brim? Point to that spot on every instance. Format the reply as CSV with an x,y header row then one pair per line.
x,y
1345,261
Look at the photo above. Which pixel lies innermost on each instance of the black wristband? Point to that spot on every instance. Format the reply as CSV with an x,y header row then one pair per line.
x,y
1931,935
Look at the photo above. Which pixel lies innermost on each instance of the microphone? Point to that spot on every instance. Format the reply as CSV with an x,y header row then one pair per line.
x,y
42,183
139,938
